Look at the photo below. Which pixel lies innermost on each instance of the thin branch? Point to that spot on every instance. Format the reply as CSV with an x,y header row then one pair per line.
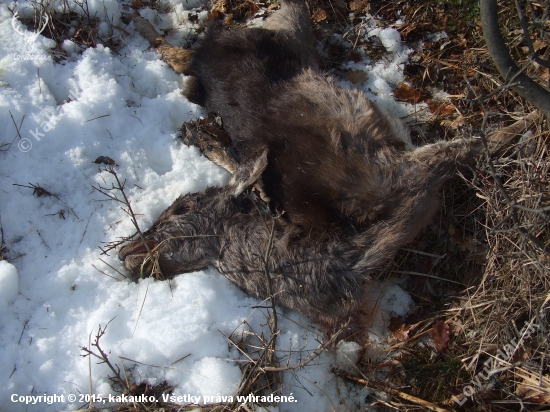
x,y
318,351
527,38
106,274
273,323
129,211
103,356
425,404
514,206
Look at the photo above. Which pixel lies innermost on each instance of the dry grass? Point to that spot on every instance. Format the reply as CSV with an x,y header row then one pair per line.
x,y
515,285
504,265
493,230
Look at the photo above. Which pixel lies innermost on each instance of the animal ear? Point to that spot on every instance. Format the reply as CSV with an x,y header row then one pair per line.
x,y
248,172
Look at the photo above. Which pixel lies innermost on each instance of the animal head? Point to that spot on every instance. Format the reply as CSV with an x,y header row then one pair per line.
x,y
185,238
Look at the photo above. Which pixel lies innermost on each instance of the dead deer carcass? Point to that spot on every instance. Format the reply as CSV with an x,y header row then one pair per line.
x,y
320,275
330,158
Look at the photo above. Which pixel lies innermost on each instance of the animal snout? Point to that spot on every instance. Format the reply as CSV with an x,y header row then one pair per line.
x,y
136,259
136,248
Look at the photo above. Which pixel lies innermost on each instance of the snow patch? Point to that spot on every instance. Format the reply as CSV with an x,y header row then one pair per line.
x,y
9,280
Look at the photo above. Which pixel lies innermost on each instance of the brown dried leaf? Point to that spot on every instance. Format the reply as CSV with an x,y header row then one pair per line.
x,y
137,4
359,6
453,123
252,8
441,108
106,160
406,94
214,15
319,15
220,6
399,330
538,45
441,334
531,389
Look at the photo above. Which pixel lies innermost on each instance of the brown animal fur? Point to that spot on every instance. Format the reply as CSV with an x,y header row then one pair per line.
x,y
321,276
332,157
319,139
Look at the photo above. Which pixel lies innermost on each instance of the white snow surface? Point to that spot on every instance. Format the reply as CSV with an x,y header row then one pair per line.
x,y
9,287
53,297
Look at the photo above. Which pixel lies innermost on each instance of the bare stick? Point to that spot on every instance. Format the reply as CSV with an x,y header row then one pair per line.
x,y
320,349
106,274
115,269
90,388
86,228
527,88
141,309
103,356
273,323
425,404
129,211
493,140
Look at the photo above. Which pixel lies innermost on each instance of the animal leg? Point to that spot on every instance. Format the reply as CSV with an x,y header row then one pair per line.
x,y
441,158
212,141
215,144
293,23
176,57
250,172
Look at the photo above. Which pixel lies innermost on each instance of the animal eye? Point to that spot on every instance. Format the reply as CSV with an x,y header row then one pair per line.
x,y
209,148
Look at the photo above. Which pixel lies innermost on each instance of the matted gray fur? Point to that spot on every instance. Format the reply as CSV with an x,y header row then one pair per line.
x,y
353,189
325,146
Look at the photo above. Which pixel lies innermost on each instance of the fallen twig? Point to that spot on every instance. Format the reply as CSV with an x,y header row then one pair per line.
x,y
410,398
129,211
